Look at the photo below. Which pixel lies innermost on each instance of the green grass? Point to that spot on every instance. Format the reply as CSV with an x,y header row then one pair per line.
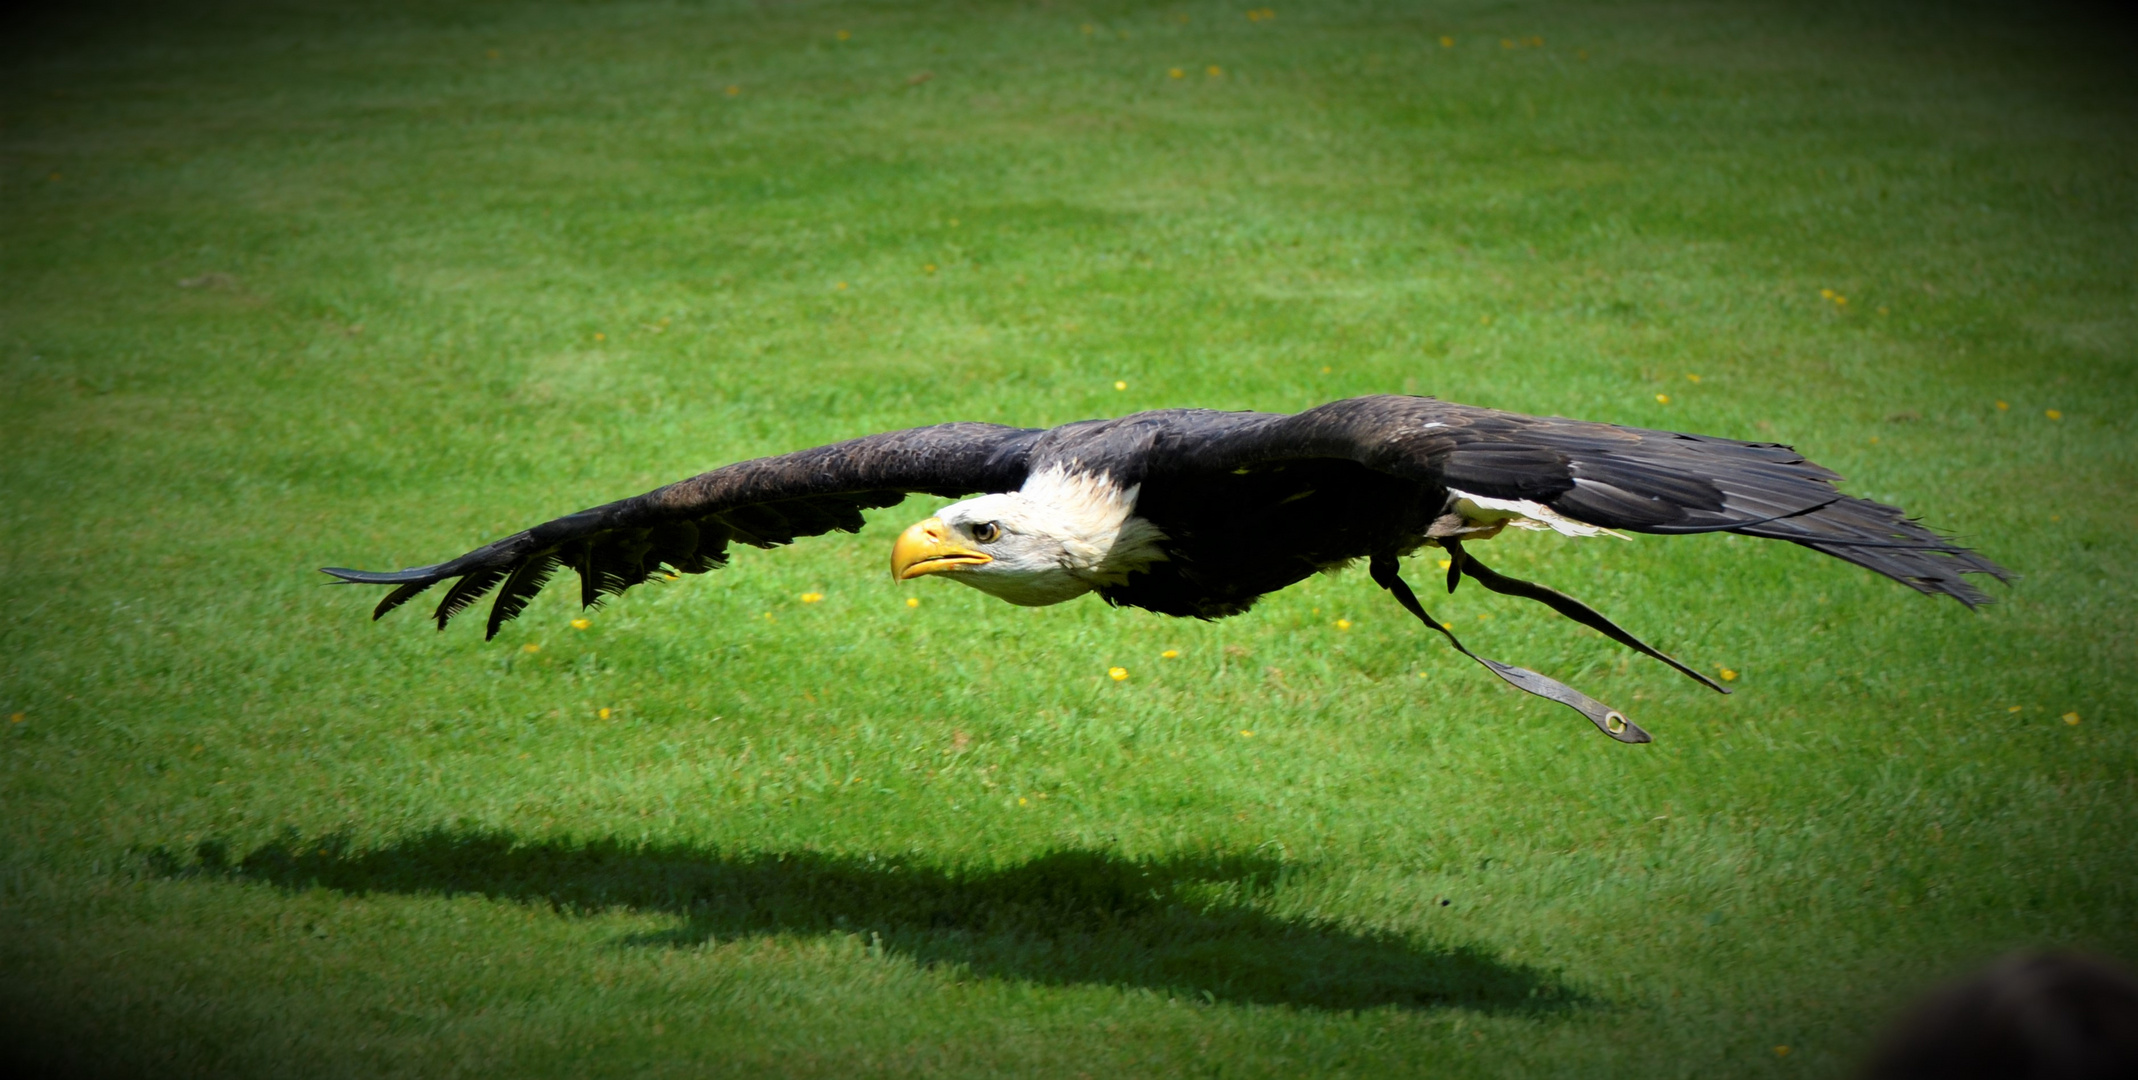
x,y
287,287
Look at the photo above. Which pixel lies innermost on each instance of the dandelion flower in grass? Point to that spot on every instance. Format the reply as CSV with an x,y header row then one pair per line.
x,y
928,268
812,597
1728,675
840,286
602,712
2054,414
1176,73
1506,43
913,601
2071,718
582,624
1245,734
530,647
1120,384
734,90
1325,369
1170,654
1343,624
601,337
1662,399
2004,406
1214,71
844,35
1781,1051
16,718
1690,377
1117,673
1020,800
2015,708
1446,42
1827,293
1445,563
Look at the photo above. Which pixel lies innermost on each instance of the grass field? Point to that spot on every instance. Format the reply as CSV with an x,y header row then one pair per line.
x,y
283,286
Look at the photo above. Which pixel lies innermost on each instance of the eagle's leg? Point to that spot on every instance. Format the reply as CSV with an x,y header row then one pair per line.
x,y
1607,719
1564,605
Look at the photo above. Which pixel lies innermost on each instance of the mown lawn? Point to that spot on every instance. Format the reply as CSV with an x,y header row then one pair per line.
x,y
285,286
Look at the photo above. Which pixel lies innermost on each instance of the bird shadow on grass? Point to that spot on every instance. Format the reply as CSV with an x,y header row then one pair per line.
x,y
1188,926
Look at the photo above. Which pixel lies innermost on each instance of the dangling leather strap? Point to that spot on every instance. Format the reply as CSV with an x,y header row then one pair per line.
x,y
1607,719
1564,605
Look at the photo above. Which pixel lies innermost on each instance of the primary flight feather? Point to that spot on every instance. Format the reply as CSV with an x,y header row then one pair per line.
x,y
1198,512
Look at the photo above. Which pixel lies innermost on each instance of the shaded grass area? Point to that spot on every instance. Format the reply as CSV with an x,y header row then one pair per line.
x,y
1176,925
291,285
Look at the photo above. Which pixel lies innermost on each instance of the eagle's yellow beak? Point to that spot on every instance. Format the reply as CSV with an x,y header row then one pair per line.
x,y
931,548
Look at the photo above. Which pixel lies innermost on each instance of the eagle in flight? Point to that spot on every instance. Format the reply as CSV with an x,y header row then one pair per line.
x,y
1198,512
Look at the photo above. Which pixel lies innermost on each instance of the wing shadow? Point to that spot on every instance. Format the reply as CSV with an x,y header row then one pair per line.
x,y
1184,925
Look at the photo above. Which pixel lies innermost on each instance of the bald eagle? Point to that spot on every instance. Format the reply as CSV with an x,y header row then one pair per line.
x,y
1194,512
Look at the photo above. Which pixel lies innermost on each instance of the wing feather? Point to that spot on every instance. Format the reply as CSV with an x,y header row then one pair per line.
x,y
687,526
1635,479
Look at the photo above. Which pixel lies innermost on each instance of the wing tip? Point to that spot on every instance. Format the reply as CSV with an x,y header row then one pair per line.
x,y
347,576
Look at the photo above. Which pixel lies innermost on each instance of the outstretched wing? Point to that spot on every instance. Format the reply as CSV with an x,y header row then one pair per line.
x,y
1633,479
688,525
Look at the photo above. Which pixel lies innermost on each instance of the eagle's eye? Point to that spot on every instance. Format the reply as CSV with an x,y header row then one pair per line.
x,y
987,532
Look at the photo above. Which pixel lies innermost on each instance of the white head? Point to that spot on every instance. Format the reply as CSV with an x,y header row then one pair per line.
x,y
1060,536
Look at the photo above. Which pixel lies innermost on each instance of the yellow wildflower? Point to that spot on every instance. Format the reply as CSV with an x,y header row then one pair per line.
x,y
1662,399
601,337
1177,73
1827,293
2015,708
1343,624
1781,1051
2004,406
16,718
1170,654
1117,673
2053,414
1445,563
840,286
1247,734
2071,718
1728,675
845,36
1325,369
913,601
1213,71
530,647
1120,384
582,624
734,90
602,713
1446,42
1506,43
1020,800
812,597
1690,377
928,268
